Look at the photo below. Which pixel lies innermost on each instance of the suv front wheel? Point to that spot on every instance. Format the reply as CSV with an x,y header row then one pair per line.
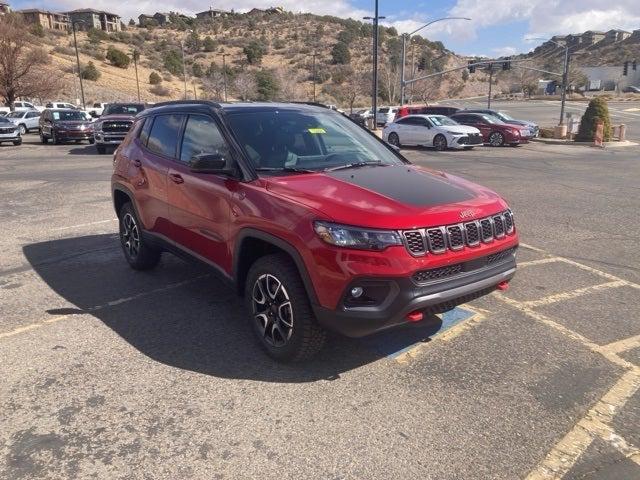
x,y
281,314
138,253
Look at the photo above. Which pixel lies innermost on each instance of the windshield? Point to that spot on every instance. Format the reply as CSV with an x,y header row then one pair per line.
x,y
4,120
68,115
123,109
383,110
15,115
504,116
493,120
441,120
279,140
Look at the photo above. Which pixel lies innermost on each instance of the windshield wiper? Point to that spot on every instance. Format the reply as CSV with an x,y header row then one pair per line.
x,y
285,169
355,165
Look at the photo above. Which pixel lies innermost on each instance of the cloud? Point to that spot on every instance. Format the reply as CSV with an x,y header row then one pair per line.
x,y
504,51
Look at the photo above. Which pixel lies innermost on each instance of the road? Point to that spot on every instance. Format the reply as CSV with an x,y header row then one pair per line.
x,y
547,112
110,373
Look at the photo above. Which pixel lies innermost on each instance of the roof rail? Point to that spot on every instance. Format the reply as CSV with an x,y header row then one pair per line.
x,y
313,104
187,102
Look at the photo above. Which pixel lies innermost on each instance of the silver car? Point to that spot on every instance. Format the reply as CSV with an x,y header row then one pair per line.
x,y
9,132
27,121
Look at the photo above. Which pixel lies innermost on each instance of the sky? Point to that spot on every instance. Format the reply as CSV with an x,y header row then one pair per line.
x,y
496,28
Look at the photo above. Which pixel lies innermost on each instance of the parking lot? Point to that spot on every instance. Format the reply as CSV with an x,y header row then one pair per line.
x,y
111,373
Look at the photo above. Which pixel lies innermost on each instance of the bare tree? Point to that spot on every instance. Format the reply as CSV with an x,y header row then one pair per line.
x,y
355,86
389,79
24,70
428,89
290,85
213,85
245,86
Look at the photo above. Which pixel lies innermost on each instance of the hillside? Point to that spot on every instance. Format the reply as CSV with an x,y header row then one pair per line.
x,y
267,57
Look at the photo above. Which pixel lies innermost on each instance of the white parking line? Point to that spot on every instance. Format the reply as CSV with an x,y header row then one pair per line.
x,y
540,261
84,225
559,297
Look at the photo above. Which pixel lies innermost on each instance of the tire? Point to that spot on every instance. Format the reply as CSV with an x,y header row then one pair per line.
x,y
295,339
101,149
137,252
440,142
17,143
23,129
394,140
43,139
92,141
496,139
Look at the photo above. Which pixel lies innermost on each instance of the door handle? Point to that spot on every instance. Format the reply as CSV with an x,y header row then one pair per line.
x,y
176,178
137,163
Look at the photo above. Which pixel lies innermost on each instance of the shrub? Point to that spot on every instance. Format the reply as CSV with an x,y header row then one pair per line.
x,y
279,44
254,52
197,71
38,30
154,79
266,85
597,110
96,35
160,90
340,54
118,57
90,72
173,62
209,44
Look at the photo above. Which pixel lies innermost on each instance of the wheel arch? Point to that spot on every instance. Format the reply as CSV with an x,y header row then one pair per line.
x,y
122,195
252,244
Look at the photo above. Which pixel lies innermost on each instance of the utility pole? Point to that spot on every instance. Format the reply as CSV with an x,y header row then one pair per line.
x,y
224,74
75,44
490,85
184,70
565,84
406,36
374,94
314,75
135,54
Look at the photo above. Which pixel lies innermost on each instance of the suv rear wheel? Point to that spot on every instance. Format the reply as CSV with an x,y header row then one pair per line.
x,y
138,253
281,314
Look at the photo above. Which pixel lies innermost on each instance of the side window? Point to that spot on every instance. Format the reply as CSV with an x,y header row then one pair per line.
x,y
164,135
201,135
425,122
144,131
33,114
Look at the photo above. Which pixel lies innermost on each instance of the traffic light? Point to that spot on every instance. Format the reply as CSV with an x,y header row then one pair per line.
x,y
506,65
472,67
633,65
625,68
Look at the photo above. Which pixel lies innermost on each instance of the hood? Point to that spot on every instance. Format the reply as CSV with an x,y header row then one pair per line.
x,y
521,123
119,117
459,129
390,197
72,123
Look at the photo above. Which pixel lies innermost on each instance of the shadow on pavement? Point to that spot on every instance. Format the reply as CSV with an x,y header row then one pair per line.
x,y
82,149
179,314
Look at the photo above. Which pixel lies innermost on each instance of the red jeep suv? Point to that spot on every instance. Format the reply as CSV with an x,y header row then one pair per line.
x,y
314,220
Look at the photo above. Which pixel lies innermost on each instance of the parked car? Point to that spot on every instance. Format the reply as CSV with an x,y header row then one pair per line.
x,y
494,131
96,110
26,120
61,105
386,115
318,223
534,129
116,120
361,116
632,89
9,132
25,106
63,125
431,131
426,110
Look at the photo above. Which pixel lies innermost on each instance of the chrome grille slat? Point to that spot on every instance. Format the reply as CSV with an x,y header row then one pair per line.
x,y
438,240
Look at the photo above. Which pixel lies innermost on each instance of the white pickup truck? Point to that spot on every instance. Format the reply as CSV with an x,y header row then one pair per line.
x,y
21,107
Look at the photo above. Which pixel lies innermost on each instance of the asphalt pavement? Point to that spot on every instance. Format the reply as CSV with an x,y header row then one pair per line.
x,y
112,374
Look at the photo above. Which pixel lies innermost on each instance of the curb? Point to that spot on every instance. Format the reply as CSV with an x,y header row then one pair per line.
x,y
555,141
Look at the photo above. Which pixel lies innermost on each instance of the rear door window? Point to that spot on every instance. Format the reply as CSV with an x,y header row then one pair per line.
x,y
165,134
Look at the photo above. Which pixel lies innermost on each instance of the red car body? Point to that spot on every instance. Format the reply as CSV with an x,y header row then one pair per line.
x,y
493,129
229,222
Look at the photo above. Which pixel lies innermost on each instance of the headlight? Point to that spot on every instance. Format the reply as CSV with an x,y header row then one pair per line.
x,y
355,237
453,133
98,127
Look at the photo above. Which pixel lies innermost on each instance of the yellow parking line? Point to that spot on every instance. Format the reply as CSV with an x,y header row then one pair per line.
x,y
573,294
623,345
540,261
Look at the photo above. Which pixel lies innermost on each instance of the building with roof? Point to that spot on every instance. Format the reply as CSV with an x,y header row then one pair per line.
x,y
48,20
592,37
212,13
90,18
613,36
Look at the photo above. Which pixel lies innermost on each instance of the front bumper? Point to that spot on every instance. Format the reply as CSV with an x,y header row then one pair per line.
x,y
109,139
74,135
405,295
10,137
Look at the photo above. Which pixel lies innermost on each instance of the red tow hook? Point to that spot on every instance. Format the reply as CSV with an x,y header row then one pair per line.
x,y
415,316
503,286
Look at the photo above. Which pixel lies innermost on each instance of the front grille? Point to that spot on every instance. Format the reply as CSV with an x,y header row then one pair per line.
x,y
458,236
475,139
499,256
116,127
437,273
7,130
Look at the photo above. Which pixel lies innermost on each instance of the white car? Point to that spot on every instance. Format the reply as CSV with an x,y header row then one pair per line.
x,y
26,121
59,105
386,115
25,106
431,131
96,110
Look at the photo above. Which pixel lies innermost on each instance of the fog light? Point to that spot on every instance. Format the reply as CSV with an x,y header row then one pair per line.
x,y
356,292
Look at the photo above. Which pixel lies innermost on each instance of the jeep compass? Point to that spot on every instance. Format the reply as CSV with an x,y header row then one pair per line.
x,y
315,221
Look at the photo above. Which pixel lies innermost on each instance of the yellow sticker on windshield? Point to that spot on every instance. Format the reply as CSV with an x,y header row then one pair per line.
x,y
317,130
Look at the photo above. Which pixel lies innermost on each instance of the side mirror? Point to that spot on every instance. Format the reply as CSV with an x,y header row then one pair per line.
x,y
209,163
93,114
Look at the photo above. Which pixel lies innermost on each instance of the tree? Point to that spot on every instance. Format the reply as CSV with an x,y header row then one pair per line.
x,y
213,85
245,86
196,69
38,30
132,22
254,52
193,42
118,58
209,44
24,71
90,72
355,86
596,111
340,54
267,87
173,62
154,79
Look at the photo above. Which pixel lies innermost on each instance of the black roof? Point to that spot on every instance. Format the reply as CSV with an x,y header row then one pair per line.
x,y
205,105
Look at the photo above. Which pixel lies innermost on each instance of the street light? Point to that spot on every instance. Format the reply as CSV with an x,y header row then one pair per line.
x,y
565,74
374,94
75,44
404,50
